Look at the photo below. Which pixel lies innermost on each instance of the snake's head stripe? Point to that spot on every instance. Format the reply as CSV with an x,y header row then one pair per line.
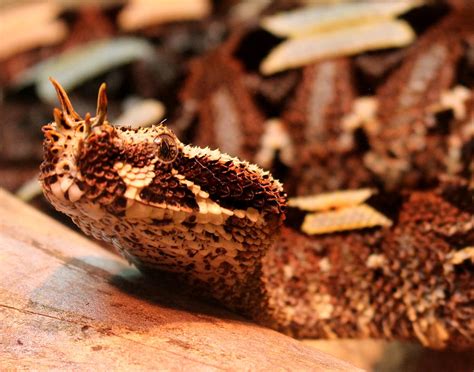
x,y
163,204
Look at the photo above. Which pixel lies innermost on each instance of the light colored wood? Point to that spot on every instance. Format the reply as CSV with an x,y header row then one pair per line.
x,y
66,303
363,353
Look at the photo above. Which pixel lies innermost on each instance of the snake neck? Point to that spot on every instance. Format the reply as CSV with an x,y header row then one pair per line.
x,y
218,255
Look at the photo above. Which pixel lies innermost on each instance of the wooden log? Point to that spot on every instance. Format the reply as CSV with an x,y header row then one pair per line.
x,y
66,303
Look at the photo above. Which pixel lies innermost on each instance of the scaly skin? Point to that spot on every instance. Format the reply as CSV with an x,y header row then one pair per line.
x,y
217,222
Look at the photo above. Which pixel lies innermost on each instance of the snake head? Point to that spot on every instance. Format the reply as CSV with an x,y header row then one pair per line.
x,y
89,157
139,173
163,205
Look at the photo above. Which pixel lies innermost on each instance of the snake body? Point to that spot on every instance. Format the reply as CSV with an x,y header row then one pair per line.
x,y
218,223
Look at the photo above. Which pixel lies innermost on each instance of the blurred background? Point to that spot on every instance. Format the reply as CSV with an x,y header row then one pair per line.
x,y
316,91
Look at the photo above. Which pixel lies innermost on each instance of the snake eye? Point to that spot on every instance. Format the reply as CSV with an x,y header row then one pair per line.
x,y
167,148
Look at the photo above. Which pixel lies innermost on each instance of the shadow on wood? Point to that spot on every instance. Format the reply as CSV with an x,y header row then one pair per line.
x,y
67,303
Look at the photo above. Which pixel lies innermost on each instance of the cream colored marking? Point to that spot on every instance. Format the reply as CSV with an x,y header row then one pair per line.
x,y
321,16
213,208
138,210
288,272
228,212
321,303
462,255
170,208
131,193
336,199
94,211
205,204
455,100
375,261
202,206
227,131
363,114
302,50
75,193
217,219
140,177
253,215
56,190
239,213
324,265
275,138
65,183
203,194
357,217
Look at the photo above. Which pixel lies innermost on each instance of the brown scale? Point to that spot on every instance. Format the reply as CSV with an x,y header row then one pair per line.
x,y
407,138
50,156
324,96
419,243
137,155
407,295
96,162
322,160
440,217
439,65
102,183
229,188
165,188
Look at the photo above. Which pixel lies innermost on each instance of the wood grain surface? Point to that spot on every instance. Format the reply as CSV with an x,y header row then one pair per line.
x,y
66,303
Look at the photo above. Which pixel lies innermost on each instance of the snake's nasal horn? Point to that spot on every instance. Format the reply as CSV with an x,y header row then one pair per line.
x,y
71,117
101,105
